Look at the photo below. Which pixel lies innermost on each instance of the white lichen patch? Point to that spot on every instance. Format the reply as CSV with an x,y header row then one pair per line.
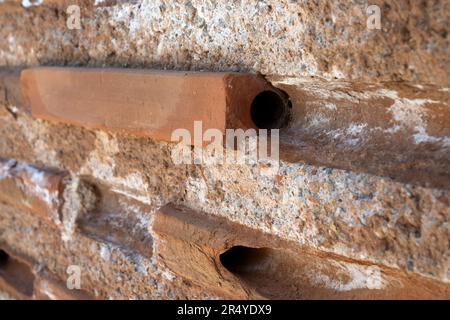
x,y
330,106
356,128
142,213
99,2
318,119
351,136
360,277
407,114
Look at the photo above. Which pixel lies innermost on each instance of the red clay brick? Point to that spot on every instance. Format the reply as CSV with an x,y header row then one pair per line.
x,y
48,287
142,102
119,220
33,189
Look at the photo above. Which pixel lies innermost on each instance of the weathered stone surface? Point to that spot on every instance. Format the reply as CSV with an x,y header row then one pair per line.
x,y
30,140
336,208
353,214
53,195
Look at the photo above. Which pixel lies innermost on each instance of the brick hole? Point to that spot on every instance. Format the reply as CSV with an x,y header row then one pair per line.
x,y
16,273
240,259
268,271
269,110
3,258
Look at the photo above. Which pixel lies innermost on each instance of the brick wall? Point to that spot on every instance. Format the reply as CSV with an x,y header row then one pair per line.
x,y
97,209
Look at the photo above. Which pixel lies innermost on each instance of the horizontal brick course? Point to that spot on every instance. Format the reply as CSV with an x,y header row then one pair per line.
x,y
16,274
142,102
118,220
396,130
33,189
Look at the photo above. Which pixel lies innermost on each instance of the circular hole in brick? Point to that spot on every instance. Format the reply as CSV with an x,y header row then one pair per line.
x,y
4,257
269,110
16,273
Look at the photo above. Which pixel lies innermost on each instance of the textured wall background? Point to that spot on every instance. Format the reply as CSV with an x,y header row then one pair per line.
x,y
303,38
357,215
